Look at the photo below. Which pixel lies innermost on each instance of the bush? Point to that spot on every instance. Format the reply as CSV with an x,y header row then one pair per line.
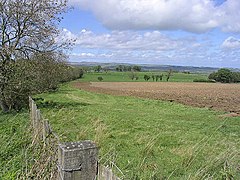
x,y
146,77
100,78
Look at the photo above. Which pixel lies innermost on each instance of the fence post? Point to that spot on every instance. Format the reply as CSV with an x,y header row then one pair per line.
x,y
77,161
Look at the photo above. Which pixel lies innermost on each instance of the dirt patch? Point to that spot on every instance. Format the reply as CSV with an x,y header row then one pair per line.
x,y
224,97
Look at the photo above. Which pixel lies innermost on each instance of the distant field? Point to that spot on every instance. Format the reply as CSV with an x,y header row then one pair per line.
x,y
224,97
148,139
125,76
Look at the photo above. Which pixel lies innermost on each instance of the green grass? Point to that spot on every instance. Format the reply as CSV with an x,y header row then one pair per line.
x,y
125,76
14,138
148,139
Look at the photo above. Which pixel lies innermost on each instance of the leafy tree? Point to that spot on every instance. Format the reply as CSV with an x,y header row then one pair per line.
x,y
27,27
169,74
161,77
225,75
146,77
97,68
236,77
153,78
81,73
136,68
124,68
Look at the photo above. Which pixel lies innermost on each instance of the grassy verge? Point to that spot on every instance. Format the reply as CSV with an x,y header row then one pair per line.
x,y
14,138
148,139
125,76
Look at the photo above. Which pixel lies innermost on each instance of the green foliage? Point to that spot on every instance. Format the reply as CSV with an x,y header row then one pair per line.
x,y
40,74
150,138
100,78
146,77
27,28
136,68
225,76
97,68
169,74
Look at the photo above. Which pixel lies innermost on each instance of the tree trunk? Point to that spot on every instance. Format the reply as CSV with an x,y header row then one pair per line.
x,y
4,106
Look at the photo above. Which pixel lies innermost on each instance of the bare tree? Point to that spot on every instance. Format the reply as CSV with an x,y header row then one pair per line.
x,y
26,27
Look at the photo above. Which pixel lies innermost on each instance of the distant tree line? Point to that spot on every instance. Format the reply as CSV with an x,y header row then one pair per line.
x,y
124,68
158,77
225,75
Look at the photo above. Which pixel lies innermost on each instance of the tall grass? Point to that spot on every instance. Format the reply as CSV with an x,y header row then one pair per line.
x,y
20,157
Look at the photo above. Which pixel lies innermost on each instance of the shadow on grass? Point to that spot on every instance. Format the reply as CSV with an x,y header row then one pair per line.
x,y
42,103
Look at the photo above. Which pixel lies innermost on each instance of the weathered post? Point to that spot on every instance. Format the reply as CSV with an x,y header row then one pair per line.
x,y
46,131
77,161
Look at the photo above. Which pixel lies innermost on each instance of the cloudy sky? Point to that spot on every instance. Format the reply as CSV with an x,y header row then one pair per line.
x,y
169,32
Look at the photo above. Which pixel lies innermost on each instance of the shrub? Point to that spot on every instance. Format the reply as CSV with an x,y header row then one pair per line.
x,y
146,77
100,78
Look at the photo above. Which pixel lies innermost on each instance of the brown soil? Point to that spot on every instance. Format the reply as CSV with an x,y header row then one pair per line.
x,y
224,97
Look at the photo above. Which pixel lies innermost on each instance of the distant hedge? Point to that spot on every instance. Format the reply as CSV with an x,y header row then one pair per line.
x,y
204,80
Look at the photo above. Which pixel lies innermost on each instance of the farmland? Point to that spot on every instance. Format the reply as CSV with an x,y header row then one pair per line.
x,y
149,130
224,97
125,76
145,138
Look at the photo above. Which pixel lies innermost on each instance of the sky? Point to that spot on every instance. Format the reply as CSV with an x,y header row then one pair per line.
x,y
166,32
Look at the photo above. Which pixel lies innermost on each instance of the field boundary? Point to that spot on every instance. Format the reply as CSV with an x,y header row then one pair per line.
x,y
66,157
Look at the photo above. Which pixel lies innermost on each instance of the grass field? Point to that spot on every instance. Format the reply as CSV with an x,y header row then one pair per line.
x,y
148,139
125,76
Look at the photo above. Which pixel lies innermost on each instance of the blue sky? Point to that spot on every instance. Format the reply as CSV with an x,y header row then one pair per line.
x,y
173,32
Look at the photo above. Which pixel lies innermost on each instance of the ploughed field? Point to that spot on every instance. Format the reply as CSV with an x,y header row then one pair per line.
x,y
224,97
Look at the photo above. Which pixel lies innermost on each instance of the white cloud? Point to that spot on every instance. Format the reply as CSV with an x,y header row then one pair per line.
x,y
129,40
189,15
84,55
231,43
153,47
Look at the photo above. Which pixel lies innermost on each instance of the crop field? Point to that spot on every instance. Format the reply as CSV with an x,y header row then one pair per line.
x,y
146,138
126,76
224,97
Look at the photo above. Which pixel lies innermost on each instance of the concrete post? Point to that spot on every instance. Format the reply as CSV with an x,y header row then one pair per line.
x,y
77,161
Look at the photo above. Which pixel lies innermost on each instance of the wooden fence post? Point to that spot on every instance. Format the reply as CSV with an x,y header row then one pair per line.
x,y
77,161
46,131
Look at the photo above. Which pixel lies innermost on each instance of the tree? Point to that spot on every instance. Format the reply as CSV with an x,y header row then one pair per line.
x,y
27,27
97,68
153,78
169,74
225,75
136,68
146,77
